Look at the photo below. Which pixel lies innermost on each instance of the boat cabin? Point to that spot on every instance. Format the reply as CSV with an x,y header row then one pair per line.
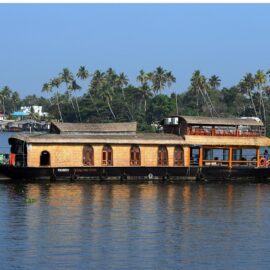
x,y
214,126
220,141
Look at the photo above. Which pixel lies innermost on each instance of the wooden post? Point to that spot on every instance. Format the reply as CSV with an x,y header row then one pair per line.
x,y
201,157
213,131
230,157
186,156
258,156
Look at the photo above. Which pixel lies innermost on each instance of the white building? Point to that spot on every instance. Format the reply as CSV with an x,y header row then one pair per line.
x,y
36,109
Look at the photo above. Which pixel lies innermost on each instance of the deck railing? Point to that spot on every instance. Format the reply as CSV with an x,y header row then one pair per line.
x,y
236,133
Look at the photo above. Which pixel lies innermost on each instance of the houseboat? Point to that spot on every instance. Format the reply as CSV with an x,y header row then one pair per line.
x,y
187,147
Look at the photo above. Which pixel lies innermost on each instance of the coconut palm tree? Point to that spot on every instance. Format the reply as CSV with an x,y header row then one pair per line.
x,y
47,88
67,77
260,81
144,89
170,78
55,83
247,85
102,85
214,82
75,87
200,86
122,82
92,88
15,97
5,94
161,78
82,74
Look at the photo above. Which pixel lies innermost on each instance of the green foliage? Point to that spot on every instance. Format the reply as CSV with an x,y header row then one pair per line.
x,y
107,96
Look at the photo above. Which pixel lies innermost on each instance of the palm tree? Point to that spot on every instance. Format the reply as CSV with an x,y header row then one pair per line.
x,y
92,88
5,94
160,79
260,81
67,77
121,82
144,89
75,87
102,85
56,82
170,78
200,85
82,74
47,88
15,97
247,85
214,82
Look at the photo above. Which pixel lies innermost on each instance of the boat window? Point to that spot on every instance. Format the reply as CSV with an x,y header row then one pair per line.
x,y
88,155
216,156
107,155
45,158
194,156
244,156
135,155
178,156
162,155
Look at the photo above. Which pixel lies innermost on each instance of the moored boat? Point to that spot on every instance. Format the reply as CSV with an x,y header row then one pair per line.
x,y
188,148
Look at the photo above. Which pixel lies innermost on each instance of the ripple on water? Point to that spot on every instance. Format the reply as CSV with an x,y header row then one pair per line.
x,y
85,226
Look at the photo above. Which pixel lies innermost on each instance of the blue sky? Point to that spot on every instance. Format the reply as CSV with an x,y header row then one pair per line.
x,y
38,40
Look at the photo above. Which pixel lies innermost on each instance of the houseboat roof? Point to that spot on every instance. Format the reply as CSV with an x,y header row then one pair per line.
x,y
93,128
139,138
219,121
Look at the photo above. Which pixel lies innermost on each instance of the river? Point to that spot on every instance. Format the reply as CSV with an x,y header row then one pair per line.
x,y
145,226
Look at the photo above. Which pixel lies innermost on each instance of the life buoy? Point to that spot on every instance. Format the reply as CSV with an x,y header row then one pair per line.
x,y
263,162
150,176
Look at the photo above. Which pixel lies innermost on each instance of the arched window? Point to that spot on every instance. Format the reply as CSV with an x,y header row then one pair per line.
x,y
178,156
88,155
162,155
135,155
107,155
45,159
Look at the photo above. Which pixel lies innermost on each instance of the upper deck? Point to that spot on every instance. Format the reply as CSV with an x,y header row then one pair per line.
x,y
214,126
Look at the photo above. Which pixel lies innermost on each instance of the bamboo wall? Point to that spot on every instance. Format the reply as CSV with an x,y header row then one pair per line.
x,y
71,155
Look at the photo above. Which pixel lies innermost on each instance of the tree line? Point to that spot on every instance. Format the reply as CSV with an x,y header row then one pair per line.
x,y
108,96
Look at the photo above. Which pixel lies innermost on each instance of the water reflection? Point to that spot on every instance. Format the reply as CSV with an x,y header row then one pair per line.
x,y
80,225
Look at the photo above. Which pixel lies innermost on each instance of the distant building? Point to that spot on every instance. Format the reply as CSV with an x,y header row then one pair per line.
x,y
36,109
19,114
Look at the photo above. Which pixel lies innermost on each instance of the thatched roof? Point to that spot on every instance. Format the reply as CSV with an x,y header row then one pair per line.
x,y
140,138
93,128
218,121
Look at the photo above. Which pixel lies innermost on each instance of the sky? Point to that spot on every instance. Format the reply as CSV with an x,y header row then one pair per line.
x,y
39,40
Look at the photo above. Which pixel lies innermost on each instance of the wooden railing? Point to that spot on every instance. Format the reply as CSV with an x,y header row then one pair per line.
x,y
203,132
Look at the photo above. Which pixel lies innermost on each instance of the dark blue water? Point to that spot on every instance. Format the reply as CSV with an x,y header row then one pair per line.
x,y
152,226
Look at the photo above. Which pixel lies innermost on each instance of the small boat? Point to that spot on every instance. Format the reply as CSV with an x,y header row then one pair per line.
x,y
186,148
